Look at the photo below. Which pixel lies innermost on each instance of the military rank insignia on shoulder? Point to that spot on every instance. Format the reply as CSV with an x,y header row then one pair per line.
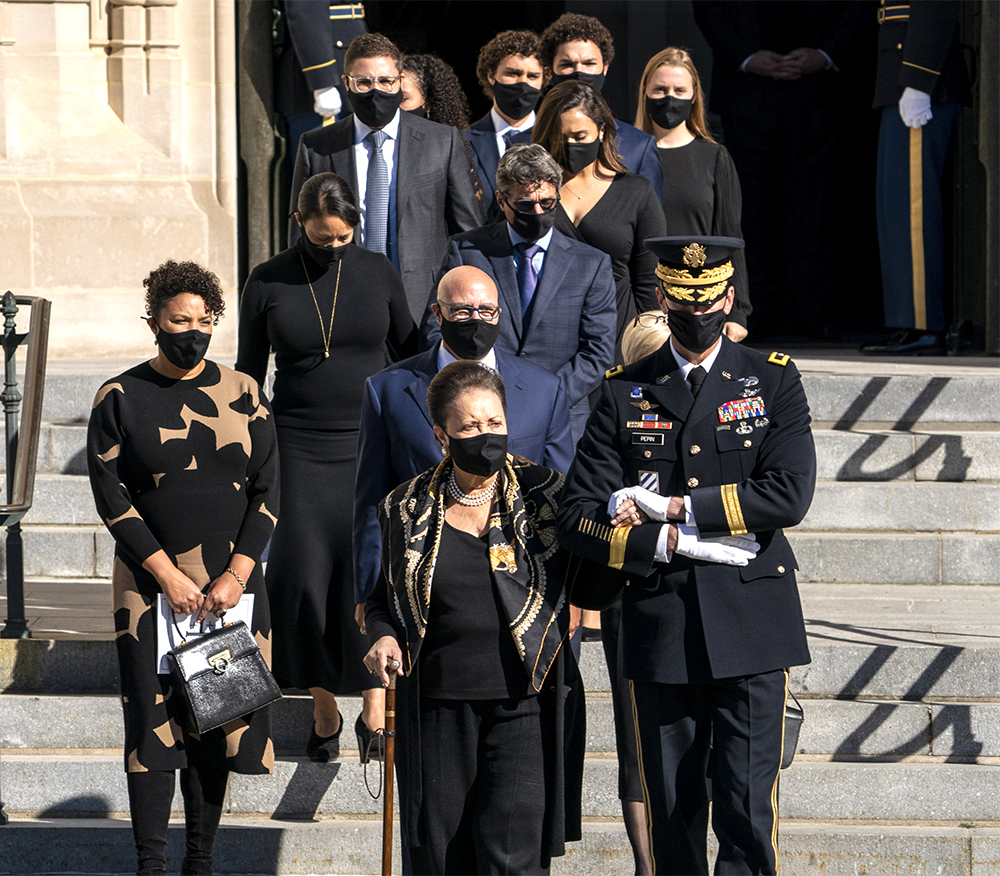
x,y
779,359
613,372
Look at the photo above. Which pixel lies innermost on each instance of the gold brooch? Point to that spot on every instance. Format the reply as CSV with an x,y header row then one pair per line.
x,y
694,255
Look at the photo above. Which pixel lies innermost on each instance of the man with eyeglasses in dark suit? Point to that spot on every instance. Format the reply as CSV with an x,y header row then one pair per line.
x,y
412,177
557,294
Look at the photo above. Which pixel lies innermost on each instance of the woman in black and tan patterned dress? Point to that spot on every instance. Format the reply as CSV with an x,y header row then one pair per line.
x,y
184,468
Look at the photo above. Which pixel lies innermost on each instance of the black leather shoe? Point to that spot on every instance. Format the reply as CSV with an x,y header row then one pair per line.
x,y
591,634
366,744
910,342
324,748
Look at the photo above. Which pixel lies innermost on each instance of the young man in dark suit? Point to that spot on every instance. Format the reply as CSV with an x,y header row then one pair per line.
x,y
694,459
578,46
510,73
396,440
558,294
412,177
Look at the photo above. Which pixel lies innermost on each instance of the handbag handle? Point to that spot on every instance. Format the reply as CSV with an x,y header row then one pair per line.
x,y
201,630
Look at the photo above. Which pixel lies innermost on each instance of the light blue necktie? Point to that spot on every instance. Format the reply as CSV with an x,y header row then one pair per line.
x,y
377,197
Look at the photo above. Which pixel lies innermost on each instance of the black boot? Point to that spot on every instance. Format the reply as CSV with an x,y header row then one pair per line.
x,y
150,795
204,790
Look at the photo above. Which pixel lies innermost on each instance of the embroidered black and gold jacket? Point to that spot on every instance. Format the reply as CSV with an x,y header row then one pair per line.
x,y
528,567
743,451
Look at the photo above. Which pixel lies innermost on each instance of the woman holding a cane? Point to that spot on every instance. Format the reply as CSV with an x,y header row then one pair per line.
x,y
472,603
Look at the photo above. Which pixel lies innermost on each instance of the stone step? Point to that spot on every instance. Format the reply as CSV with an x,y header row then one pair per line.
x,y
863,455
73,785
884,728
836,507
352,846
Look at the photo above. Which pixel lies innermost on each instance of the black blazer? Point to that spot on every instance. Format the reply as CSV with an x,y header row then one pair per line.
x,y
687,620
435,196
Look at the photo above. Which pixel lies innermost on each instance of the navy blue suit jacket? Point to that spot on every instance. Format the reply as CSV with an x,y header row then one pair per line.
x,y
638,151
482,137
396,440
573,317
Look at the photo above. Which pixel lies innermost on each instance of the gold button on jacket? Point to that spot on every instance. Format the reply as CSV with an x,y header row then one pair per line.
x,y
692,482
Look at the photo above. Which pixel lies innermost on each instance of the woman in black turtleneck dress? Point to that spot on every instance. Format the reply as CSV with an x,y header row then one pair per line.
x,y
334,314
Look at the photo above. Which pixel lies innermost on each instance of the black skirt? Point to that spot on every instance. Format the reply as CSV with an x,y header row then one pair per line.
x,y
310,574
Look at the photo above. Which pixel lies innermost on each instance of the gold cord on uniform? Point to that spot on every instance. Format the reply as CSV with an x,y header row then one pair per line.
x,y
325,332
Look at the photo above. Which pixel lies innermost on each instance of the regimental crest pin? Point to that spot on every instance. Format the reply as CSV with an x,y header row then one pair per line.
x,y
744,428
636,392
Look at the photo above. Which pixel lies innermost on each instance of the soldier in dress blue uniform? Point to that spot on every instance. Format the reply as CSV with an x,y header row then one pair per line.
x,y
692,462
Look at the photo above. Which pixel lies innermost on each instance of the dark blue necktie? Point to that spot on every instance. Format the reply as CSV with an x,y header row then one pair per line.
x,y
527,278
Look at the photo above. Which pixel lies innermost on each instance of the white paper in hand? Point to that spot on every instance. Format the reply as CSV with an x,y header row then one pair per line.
x,y
167,634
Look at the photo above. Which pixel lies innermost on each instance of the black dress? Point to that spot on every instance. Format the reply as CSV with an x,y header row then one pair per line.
x,y
317,406
189,467
701,196
627,214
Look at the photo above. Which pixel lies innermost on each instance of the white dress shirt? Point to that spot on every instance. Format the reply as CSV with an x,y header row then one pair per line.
x,y
445,358
362,152
501,127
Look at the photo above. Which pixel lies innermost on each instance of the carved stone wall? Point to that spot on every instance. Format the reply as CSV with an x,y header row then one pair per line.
x,y
117,152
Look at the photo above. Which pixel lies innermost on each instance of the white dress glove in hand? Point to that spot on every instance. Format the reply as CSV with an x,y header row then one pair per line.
x,y
731,550
915,108
327,102
653,504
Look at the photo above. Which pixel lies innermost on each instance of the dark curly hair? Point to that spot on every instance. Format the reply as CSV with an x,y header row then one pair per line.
x,y
570,27
371,45
510,42
175,278
444,100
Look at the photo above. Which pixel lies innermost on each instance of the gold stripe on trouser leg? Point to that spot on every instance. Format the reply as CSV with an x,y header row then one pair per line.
x,y
777,775
642,775
917,227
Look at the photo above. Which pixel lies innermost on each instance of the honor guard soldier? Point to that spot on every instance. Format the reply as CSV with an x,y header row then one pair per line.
x,y
693,460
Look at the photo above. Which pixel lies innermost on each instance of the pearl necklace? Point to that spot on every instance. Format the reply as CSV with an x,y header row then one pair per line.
x,y
465,498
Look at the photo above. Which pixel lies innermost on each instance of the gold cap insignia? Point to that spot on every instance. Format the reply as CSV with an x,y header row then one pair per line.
x,y
694,255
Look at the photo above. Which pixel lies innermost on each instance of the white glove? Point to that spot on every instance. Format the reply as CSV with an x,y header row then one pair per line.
x,y
327,102
732,550
653,504
915,108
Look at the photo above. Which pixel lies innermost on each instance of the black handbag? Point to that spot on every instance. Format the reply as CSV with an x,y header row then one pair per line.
x,y
221,676
793,723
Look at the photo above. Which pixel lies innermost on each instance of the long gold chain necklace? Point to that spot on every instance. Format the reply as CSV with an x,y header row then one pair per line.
x,y
327,333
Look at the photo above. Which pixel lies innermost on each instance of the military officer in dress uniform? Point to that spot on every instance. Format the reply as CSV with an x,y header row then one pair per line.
x,y
692,462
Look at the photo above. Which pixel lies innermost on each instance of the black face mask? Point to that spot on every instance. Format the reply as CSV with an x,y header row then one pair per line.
x,y
481,455
183,349
579,155
471,339
375,108
517,100
324,256
419,111
532,226
696,331
668,112
594,80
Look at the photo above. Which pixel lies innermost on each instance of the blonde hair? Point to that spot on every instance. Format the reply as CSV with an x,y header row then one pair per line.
x,y
672,56
639,341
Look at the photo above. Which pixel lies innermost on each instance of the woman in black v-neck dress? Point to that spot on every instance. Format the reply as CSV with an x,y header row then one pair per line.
x,y
334,314
601,203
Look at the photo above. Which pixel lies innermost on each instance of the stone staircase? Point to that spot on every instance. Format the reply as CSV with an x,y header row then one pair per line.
x,y
898,764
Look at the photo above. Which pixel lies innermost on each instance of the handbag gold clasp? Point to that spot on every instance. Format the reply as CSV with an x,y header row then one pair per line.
x,y
220,662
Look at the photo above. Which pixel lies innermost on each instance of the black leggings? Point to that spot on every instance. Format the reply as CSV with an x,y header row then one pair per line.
x,y
150,796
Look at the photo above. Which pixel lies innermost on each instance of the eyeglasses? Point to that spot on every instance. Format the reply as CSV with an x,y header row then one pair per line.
x,y
650,320
527,205
382,83
463,313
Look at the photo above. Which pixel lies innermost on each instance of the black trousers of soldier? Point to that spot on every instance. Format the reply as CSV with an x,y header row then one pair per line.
x,y
741,721
483,776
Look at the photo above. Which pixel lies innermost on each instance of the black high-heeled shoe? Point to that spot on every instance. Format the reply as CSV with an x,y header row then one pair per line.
x,y
324,748
367,742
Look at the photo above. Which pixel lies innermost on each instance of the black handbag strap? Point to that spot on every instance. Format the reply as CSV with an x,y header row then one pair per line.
x,y
182,637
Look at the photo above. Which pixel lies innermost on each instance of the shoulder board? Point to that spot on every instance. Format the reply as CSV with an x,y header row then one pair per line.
x,y
779,359
614,372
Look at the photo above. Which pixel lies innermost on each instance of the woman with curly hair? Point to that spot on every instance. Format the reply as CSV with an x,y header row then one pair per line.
x,y
184,468
432,90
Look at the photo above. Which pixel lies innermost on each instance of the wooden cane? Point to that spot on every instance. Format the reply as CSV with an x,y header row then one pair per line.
x,y
390,758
